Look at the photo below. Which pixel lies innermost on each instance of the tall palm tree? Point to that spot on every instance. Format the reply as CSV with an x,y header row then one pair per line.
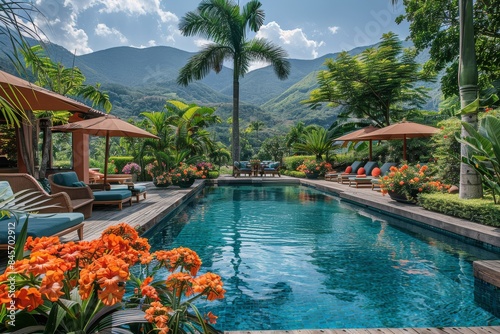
x,y
470,180
257,126
223,22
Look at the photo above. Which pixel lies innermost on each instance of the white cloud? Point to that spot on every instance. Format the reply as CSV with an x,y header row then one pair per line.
x,y
201,42
58,23
294,41
104,31
334,30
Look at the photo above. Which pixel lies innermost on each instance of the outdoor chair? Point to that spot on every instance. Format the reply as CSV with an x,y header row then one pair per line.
x,y
242,167
60,202
384,170
138,191
365,174
351,170
272,168
43,225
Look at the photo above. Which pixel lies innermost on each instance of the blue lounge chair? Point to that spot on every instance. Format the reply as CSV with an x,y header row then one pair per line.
x,y
242,167
366,177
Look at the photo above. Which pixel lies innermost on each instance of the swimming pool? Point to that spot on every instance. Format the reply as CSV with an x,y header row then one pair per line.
x,y
295,258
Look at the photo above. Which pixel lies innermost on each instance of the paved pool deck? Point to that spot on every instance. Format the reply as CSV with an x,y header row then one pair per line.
x,y
160,202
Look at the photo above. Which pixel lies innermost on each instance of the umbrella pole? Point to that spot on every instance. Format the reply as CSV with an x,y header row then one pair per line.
x,y
371,150
404,147
106,158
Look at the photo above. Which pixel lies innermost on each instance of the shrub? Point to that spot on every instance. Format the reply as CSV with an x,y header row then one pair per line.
x,y
482,211
447,151
293,173
120,162
291,163
315,167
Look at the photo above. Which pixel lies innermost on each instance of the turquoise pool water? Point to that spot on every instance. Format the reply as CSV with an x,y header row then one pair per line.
x,y
295,258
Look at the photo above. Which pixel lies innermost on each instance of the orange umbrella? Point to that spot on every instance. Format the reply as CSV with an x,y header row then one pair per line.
x,y
402,130
23,95
355,136
106,126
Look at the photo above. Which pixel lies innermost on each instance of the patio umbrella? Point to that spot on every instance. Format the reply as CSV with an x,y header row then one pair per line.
x,y
23,95
402,130
105,126
354,136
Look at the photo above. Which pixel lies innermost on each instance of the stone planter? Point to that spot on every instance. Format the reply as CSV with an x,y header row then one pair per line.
x,y
185,184
401,198
162,185
312,176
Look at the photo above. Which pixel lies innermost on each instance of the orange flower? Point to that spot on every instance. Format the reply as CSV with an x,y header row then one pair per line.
x,y
28,298
180,282
211,318
52,285
46,244
401,183
209,284
179,257
158,314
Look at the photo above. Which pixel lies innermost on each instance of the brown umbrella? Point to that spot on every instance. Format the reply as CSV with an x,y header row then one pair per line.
x,y
23,95
355,136
106,126
402,130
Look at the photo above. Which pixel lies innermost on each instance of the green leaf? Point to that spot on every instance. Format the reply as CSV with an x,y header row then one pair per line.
x,y
471,108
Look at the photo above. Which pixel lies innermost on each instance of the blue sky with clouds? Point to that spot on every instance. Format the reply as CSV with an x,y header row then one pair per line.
x,y
306,29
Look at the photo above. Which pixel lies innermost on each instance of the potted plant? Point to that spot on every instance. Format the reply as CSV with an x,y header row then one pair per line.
x,y
161,178
133,169
405,183
183,175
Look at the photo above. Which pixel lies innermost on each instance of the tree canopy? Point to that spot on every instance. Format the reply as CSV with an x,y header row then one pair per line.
x,y
379,84
434,25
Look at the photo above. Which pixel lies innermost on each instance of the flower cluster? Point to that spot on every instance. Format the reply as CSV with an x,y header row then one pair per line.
x,y
203,169
86,277
410,181
184,173
131,168
315,167
158,172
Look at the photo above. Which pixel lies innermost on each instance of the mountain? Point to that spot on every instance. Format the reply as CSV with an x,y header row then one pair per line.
x,y
140,80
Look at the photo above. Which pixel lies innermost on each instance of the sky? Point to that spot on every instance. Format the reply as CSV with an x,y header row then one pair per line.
x,y
306,29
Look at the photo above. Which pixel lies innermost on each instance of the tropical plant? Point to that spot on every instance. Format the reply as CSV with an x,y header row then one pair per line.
x,y
379,84
409,181
484,152
80,287
220,155
17,24
226,24
318,142
256,126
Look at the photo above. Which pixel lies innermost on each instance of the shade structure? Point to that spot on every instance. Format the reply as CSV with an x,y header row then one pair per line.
x,y
355,136
23,95
105,126
402,130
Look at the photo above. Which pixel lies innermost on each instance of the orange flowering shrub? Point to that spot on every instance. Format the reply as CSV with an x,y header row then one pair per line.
x,y
315,167
85,281
184,173
410,181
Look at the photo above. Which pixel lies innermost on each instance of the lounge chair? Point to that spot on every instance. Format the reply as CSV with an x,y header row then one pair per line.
x,y
272,168
349,171
43,225
242,167
61,202
77,190
366,176
375,181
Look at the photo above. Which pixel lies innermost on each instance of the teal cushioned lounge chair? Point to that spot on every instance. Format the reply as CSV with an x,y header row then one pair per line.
x,y
367,176
43,225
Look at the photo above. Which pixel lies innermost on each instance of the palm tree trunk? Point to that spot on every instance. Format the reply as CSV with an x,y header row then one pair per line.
x,y
236,118
470,180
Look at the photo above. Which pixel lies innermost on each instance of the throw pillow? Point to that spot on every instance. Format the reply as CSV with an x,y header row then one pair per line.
x,y
361,171
79,184
376,172
348,169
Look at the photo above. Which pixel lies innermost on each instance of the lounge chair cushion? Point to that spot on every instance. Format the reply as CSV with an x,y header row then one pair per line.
x,y
236,164
376,172
273,165
42,225
65,179
115,195
361,171
79,184
348,170
5,185
136,188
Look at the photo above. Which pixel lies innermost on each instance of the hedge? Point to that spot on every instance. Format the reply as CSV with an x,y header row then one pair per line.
x,y
293,173
291,163
482,211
